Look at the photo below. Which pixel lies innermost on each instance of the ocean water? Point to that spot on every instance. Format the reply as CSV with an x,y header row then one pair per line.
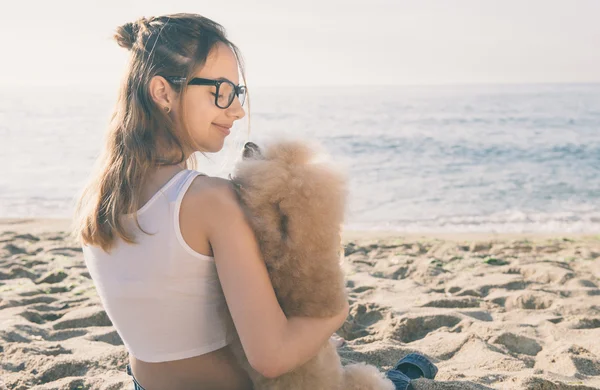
x,y
484,158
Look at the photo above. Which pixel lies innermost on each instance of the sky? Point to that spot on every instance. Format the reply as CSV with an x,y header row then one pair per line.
x,y
321,42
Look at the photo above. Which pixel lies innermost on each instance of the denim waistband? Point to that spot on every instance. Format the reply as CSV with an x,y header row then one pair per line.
x,y
136,384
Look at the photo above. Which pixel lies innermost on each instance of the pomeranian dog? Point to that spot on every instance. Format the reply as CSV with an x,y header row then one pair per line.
x,y
296,206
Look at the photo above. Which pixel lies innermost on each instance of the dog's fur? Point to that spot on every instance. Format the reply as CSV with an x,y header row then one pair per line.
x,y
296,207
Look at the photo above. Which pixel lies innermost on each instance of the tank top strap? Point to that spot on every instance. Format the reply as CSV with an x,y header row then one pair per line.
x,y
182,185
182,188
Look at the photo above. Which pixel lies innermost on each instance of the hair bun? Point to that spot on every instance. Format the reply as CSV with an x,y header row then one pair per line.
x,y
126,35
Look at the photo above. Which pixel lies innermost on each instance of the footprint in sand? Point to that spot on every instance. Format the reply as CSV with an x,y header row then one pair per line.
x,y
480,247
27,236
483,285
38,296
23,333
31,262
360,291
64,369
360,320
529,300
569,361
517,344
583,323
546,273
65,251
582,283
61,335
17,272
15,337
47,350
40,318
395,272
24,302
113,338
14,249
52,277
410,329
44,291
454,302
83,318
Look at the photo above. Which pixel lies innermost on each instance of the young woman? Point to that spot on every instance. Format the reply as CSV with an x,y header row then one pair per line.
x,y
174,261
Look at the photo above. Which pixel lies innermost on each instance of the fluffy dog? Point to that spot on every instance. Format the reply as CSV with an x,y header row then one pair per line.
x,y
296,206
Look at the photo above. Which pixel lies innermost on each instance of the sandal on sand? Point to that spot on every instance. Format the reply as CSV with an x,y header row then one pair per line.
x,y
411,366
400,381
415,366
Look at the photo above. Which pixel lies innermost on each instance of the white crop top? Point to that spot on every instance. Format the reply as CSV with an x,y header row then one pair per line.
x,y
163,298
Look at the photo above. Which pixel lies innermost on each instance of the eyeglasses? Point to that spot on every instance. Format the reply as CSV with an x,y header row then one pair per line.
x,y
226,90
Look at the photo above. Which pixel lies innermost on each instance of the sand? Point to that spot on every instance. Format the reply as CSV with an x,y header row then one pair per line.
x,y
492,311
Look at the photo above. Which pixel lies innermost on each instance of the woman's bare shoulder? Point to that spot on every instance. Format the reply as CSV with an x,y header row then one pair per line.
x,y
211,196
204,183
209,188
209,206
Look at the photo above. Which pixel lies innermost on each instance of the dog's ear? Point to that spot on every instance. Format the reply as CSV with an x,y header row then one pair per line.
x,y
251,150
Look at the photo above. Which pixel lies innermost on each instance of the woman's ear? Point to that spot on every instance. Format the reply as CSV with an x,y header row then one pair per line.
x,y
161,92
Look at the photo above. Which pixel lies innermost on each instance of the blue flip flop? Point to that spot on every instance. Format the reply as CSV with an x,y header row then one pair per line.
x,y
400,381
415,366
411,366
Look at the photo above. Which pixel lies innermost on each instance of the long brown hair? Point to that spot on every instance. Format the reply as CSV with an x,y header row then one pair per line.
x,y
169,45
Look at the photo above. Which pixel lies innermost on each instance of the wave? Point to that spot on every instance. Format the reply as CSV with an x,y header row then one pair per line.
x,y
504,222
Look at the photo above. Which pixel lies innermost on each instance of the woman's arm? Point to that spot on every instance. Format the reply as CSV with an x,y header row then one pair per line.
x,y
302,339
273,343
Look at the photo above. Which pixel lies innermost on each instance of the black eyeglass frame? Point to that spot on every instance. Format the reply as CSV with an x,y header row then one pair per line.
x,y
217,83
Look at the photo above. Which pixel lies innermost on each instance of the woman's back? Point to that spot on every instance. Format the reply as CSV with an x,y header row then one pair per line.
x,y
163,294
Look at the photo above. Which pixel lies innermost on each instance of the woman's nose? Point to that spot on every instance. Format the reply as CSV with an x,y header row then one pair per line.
x,y
236,109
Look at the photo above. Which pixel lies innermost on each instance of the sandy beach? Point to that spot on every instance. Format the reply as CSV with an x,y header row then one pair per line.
x,y
493,311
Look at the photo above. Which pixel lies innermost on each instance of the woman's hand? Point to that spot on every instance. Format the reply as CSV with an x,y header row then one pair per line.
x,y
337,341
